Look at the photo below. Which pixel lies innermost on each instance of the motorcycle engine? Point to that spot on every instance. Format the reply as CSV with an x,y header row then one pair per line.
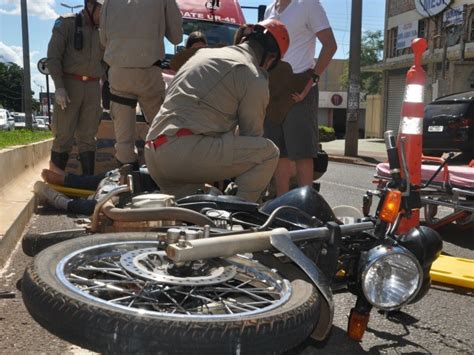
x,y
152,201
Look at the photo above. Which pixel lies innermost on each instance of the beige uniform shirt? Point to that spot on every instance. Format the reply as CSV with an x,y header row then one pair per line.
x,y
133,31
216,90
64,58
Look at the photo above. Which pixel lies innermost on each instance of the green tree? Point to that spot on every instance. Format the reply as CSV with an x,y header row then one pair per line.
x,y
11,84
371,53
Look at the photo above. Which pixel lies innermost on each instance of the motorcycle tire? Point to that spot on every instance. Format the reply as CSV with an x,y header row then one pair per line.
x,y
33,243
104,327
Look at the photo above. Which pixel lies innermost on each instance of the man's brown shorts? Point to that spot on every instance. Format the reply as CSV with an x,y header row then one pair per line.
x,y
298,136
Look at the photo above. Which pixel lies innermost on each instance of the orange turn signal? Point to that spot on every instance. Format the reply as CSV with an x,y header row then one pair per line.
x,y
357,325
391,206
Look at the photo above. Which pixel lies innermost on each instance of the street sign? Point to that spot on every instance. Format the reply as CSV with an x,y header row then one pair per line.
x,y
428,8
43,66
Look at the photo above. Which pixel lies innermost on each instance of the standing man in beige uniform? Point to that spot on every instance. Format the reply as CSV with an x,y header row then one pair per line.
x,y
76,66
192,140
133,33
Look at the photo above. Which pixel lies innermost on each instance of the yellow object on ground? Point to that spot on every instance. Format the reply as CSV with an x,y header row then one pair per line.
x,y
72,192
453,271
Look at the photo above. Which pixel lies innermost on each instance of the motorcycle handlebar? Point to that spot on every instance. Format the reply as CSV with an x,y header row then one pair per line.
x,y
250,242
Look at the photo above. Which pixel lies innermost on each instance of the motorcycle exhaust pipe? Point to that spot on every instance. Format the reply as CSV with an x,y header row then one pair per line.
x,y
221,246
156,214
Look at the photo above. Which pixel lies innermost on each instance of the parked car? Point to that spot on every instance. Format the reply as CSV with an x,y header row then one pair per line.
x,y
41,123
20,121
7,122
448,125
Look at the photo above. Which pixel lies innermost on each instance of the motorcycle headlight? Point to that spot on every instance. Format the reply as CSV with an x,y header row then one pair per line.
x,y
391,277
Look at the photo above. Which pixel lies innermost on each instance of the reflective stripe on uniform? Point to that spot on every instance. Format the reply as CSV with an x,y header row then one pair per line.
x,y
414,93
411,125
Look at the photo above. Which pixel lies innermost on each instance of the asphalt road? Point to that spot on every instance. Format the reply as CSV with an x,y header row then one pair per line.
x,y
441,323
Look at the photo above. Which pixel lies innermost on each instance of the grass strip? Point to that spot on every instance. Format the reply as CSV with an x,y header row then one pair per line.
x,y
22,137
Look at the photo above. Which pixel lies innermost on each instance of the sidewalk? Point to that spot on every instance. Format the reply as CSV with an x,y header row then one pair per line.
x,y
370,151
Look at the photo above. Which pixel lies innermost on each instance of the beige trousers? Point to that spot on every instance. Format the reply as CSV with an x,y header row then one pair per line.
x,y
184,164
143,84
80,119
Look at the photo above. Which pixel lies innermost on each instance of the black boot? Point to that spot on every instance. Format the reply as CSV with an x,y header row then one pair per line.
x,y
60,159
87,162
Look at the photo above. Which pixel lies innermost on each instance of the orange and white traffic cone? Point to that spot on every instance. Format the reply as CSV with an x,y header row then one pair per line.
x,y
410,133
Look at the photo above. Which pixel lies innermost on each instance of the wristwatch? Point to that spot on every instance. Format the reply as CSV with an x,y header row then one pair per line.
x,y
315,78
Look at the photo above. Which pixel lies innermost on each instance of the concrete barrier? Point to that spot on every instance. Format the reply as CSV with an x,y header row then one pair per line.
x,y
20,167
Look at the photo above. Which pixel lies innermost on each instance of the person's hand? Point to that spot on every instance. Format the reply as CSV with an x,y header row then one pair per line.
x,y
61,97
298,97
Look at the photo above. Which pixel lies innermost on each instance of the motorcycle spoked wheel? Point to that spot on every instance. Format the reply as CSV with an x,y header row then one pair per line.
x,y
83,291
33,243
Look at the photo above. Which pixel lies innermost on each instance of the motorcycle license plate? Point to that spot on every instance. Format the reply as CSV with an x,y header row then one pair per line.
x,y
435,128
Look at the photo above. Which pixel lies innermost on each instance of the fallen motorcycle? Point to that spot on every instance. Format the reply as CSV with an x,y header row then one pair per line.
x,y
235,278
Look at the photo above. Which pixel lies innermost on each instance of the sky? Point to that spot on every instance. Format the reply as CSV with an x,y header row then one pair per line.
x,y
42,13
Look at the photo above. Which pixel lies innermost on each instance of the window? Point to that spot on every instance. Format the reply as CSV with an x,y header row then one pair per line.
x,y
422,28
393,44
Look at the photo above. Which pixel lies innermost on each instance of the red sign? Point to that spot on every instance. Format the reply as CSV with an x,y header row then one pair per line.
x,y
228,11
336,99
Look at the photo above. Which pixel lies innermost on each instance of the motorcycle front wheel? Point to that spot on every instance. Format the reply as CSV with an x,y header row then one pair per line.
x,y
118,293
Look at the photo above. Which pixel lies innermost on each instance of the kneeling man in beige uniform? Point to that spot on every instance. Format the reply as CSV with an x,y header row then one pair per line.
x,y
191,141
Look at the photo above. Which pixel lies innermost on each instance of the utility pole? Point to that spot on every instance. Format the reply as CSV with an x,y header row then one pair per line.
x,y
26,67
353,91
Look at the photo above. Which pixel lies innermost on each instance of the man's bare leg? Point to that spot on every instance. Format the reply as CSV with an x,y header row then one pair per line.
x,y
282,176
51,177
304,172
55,169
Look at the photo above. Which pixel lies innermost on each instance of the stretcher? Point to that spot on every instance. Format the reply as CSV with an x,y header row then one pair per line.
x,y
72,192
450,186
453,271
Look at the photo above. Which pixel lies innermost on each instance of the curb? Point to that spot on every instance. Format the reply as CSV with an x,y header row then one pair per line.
x,y
363,161
22,166
13,234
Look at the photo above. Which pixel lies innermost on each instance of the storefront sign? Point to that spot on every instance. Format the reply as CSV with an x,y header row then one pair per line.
x,y
427,8
453,16
406,34
336,99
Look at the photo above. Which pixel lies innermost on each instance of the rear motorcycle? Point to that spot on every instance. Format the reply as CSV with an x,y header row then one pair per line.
x,y
235,277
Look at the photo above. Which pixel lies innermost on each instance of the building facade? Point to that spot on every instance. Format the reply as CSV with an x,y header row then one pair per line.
x,y
448,27
333,99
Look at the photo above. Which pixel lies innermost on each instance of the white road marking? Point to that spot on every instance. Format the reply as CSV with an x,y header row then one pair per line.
x,y
342,185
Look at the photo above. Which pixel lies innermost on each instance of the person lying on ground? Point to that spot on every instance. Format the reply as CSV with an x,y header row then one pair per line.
x,y
101,184
86,206
59,177
83,206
